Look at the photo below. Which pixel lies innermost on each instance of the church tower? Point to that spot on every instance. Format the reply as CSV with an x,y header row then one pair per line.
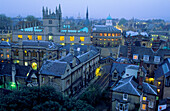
x,y
109,21
52,22
87,18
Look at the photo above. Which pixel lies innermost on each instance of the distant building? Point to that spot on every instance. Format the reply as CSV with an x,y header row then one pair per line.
x,y
53,30
106,35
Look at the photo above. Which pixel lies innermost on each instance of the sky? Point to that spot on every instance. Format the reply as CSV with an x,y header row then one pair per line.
x,y
140,9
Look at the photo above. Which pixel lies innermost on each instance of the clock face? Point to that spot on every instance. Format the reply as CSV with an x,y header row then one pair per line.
x,y
34,66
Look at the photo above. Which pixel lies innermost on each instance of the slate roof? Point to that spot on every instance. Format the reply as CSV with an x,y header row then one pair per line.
x,y
4,43
132,33
109,57
130,85
105,28
160,71
141,51
53,68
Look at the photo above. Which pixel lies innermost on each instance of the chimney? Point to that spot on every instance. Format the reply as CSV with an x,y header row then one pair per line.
x,y
13,73
71,50
140,75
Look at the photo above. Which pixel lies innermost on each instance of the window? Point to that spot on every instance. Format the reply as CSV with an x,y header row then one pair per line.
x,y
67,83
146,58
7,50
20,36
109,34
104,39
120,107
116,34
50,29
100,39
157,59
26,63
159,83
50,21
30,37
8,56
167,82
150,104
81,38
144,98
61,38
25,53
71,38
158,90
16,61
105,34
144,106
2,55
125,97
113,34
101,34
50,37
39,37
135,56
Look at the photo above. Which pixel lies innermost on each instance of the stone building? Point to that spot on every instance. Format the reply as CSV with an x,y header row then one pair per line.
x,y
106,35
71,73
53,30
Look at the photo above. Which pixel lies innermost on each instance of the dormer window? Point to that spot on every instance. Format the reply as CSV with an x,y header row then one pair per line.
x,y
157,59
146,58
135,56
125,97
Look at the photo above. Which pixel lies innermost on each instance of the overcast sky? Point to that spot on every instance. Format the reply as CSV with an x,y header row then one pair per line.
x,y
142,9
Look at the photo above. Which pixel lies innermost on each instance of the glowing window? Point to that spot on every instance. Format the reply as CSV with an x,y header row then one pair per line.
x,y
112,39
7,55
109,34
81,38
25,53
82,44
108,39
30,37
116,34
159,83
100,39
39,37
158,90
101,34
144,98
34,66
135,57
113,34
16,61
104,39
27,74
50,37
20,36
2,61
61,38
71,38
26,63
62,43
144,106
2,39
116,39
2,55
105,34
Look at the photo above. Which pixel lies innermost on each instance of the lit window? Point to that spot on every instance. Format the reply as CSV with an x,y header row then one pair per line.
x,y
108,39
27,74
16,61
2,55
135,57
82,44
50,37
62,43
116,39
71,38
81,38
25,53
158,90
101,34
39,37
105,34
61,38
2,61
146,58
109,34
116,34
20,36
144,98
113,34
7,55
159,83
30,37
104,39
144,106
112,39
100,39
26,63
125,97
2,39
34,66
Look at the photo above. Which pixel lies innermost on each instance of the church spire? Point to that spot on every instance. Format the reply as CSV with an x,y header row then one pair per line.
x,y
87,14
43,11
59,8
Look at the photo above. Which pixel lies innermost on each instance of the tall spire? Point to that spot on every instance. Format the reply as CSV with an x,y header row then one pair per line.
x,y
49,11
87,14
46,10
59,8
56,11
43,11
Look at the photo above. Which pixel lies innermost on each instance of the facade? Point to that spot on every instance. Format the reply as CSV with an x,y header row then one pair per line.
x,y
53,30
71,73
130,95
162,79
106,35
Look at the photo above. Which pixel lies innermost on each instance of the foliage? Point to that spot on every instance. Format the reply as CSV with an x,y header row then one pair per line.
x,y
122,21
4,21
44,98
31,18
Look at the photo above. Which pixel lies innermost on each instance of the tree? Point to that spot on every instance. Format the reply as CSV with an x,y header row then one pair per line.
x,y
122,21
5,22
31,18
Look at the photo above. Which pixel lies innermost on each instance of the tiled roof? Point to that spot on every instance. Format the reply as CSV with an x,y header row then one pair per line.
x,y
105,28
